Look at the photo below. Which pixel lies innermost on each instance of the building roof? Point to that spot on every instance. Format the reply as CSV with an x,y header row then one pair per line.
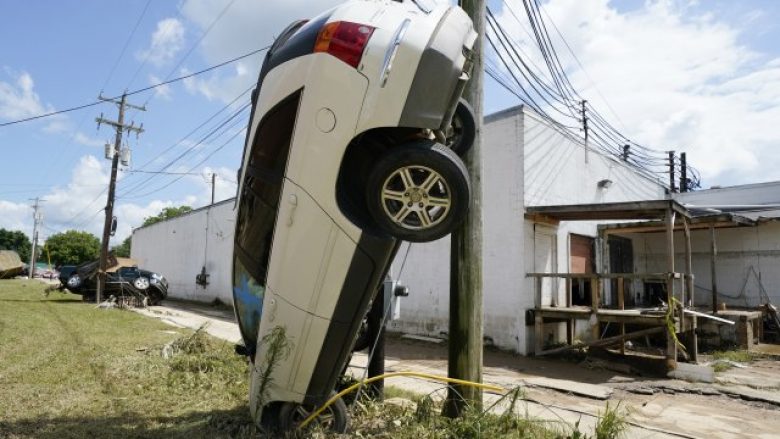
x,y
208,206
630,210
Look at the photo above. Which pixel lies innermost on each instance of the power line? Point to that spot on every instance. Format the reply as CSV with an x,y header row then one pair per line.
x,y
134,92
186,55
233,136
127,43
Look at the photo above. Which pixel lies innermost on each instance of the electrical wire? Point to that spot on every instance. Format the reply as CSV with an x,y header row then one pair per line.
x,y
560,96
134,92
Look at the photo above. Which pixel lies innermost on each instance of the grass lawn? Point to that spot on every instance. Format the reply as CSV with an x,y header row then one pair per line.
x,y
70,370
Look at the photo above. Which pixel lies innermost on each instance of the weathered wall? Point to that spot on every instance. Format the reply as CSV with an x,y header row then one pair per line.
x,y
525,163
180,247
747,257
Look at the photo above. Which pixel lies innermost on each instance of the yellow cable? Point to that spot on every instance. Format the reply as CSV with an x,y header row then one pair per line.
x,y
351,388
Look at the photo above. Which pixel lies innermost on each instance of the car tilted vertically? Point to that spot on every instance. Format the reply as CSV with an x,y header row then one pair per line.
x,y
352,147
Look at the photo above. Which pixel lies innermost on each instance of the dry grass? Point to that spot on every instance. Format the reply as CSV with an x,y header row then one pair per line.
x,y
69,370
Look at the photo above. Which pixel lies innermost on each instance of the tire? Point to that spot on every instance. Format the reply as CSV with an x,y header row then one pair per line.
x,y
155,297
361,342
463,129
334,418
73,282
418,192
141,283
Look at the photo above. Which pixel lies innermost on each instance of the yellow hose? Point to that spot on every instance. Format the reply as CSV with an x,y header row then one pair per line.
x,y
351,388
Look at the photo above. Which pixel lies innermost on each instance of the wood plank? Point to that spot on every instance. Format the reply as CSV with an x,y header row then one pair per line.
x,y
605,341
622,306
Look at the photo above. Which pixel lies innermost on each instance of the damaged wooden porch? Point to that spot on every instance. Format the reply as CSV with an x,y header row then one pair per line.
x,y
608,302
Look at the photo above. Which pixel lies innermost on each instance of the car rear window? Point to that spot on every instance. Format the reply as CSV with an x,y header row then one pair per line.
x,y
263,184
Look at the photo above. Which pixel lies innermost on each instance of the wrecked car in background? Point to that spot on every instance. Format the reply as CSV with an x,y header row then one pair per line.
x,y
123,278
353,146
10,264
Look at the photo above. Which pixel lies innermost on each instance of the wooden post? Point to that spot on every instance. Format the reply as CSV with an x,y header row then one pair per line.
x,y
465,334
671,346
538,320
621,305
570,323
595,298
693,342
713,271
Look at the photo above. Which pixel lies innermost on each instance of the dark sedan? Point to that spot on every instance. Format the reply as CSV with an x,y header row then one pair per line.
x,y
123,278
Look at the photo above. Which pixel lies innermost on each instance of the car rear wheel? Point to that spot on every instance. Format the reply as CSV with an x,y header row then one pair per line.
x,y
141,283
419,191
334,418
463,129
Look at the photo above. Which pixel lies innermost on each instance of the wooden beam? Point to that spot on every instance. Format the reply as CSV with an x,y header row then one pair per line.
x,y
541,219
595,298
671,344
621,305
657,276
713,270
606,341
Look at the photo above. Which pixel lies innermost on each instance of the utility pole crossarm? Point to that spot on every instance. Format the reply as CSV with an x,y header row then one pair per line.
x,y
127,105
130,128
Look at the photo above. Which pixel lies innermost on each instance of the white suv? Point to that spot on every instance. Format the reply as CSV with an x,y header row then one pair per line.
x,y
351,148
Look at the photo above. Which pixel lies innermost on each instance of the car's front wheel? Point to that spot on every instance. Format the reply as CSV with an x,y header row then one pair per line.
x,y
419,191
141,283
334,418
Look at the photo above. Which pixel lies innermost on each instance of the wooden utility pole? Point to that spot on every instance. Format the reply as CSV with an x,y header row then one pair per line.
x,y
120,127
672,188
36,219
213,185
585,127
465,332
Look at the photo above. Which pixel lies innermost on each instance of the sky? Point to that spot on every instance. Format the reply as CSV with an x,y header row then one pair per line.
x,y
695,76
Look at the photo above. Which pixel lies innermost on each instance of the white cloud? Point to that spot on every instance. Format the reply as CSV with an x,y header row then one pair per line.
x,y
18,99
162,91
246,26
167,41
677,80
86,140
79,204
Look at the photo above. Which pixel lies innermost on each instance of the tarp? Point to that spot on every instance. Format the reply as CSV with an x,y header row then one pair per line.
x,y
10,264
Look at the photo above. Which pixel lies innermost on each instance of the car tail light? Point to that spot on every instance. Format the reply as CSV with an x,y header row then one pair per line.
x,y
344,40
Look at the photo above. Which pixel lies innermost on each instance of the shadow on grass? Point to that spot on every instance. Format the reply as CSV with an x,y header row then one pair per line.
x,y
233,423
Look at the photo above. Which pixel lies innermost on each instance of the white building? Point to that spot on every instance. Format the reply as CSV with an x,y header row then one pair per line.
x,y
181,247
525,163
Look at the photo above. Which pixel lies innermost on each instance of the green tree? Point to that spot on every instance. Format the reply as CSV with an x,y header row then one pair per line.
x,y
16,241
167,213
122,250
73,247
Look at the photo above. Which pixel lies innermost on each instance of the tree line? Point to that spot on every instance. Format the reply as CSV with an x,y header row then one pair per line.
x,y
73,247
